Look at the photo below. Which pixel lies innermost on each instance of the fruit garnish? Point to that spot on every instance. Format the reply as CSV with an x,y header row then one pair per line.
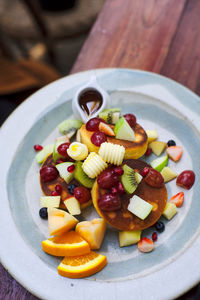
x,y
170,211
168,174
114,190
62,149
98,138
111,116
71,188
81,176
82,194
38,147
48,173
93,124
160,226
112,153
154,178
50,201
109,202
127,238
69,127
186,179
144,172
154,236
68,244
77,151
130,179
123,130
73,206
139,207
42,154
120,188
64,171
159,163
58,188
157,147
82,266
54,193
171,143
108,178
92,231
59,221
177,199
105,128
152,135
71,168
148,152
119,171
145,245
130,119
174,152
43,213
94,165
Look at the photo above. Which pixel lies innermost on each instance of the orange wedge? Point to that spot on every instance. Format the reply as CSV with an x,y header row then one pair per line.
x,y
67,244
82,266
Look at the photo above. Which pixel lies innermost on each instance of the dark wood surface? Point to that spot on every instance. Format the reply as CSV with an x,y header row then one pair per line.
x,y
153,35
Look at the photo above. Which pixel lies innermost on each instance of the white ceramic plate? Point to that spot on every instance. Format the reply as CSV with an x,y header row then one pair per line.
x,y
167,272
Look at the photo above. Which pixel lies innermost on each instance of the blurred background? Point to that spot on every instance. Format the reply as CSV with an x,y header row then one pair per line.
x,y
39,42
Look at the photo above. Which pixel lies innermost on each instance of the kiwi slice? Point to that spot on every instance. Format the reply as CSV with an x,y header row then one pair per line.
x,y
81,176
111,116
130,179
69,127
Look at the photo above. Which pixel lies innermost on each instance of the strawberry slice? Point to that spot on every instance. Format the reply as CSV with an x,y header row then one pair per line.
x,y
105,128
145,245
177,199
174,152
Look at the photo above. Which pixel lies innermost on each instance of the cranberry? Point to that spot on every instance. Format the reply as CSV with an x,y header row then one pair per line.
x,y
154,178
119,171
109,202
71,168
98,138
120,188
108,178
148,152
93,124
54,193
38,147
62,149
145,171
186,179
114,190
154,236
82,194
131,119
58,189
48,173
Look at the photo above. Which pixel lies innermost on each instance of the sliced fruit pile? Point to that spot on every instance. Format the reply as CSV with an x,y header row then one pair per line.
x,y
102,164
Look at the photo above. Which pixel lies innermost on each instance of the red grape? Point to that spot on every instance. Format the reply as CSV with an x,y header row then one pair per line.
x,y
109,202
144,172
98,138
48,173
108,178
82,194
93,124
131,119
186,179
62,149
154,178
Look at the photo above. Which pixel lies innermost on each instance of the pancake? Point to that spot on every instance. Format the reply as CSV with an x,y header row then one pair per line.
x,y
123,219
48,187
133,150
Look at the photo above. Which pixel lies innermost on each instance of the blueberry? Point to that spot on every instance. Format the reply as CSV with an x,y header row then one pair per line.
x,y
43,213
171,143
160,227
71,188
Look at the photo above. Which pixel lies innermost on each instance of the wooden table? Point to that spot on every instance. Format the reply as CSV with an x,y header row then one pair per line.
x,y
161,36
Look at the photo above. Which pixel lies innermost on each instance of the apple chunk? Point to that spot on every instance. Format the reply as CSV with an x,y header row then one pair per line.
x,y
92,231
139,207
127,238
157,147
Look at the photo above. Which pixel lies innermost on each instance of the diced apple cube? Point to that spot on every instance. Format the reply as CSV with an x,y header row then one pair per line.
x,y
168,174
157,147
139,207
127,238
92,231
49,201
170,211
60,221
159,163
152,135
73,206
